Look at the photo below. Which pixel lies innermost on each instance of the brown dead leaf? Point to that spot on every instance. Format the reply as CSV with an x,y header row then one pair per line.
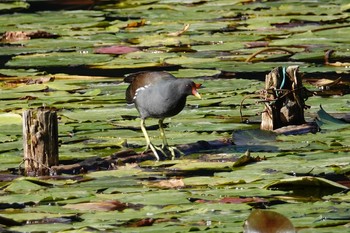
x,y
179,33
256,44
28,97
110,205
266,221
172,183
30,81
238,200
13,36
140,222
40,80
325,82
247,159
339,64
41,34
136,24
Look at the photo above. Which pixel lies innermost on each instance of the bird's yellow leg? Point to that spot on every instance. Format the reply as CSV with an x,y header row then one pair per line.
x,y
162,133
148,140
165,145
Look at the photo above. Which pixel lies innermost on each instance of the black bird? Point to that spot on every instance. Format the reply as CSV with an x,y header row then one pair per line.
x,y
158,95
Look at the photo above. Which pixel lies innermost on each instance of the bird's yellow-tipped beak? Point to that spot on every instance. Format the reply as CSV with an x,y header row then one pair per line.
x,y
195,92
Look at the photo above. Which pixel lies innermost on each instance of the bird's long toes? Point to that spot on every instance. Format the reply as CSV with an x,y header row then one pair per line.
x,y
174,151
163,151
153,149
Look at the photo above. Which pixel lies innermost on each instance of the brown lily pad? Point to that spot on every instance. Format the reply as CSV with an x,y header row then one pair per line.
x,y
266,221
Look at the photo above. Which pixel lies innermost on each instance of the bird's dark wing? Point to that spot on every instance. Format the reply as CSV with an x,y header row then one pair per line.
x,y
141,79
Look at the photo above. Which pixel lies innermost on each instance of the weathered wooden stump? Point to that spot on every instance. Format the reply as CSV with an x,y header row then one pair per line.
x,y
284,98
40,141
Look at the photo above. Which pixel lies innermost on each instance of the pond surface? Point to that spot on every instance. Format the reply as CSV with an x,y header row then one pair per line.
x,y
73,55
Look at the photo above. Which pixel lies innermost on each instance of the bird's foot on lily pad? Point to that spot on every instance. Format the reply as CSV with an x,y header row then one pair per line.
x,y
155,150
173,150
163,151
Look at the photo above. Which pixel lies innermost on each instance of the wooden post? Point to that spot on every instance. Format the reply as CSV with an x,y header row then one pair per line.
x,y
284,99
40,141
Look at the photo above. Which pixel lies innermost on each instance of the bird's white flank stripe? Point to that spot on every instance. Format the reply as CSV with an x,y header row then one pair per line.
x,y
140,89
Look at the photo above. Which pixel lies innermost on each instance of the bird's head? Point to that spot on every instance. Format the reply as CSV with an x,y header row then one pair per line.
x,y
195,87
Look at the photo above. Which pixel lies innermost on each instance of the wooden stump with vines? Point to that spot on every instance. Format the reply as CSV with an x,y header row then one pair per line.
x,y
40,141
284,98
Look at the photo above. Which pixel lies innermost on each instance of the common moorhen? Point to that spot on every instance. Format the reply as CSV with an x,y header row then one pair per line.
x,y
158,95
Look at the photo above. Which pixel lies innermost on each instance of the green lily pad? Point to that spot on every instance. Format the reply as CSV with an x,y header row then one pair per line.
x,y
326,121
302,182
10,118
23,186
57,59
13,6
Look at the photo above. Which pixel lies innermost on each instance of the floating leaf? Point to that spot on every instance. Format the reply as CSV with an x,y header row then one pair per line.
x,y
327,122
172,183
24,185
13,36
267,221
246,159
13,6
58,59
140,222
10,119
308,185
9,222
135,24
116,50
98,206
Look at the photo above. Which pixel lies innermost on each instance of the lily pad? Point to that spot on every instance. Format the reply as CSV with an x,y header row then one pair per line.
x,y
266,220
10,118
300,183
58,59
